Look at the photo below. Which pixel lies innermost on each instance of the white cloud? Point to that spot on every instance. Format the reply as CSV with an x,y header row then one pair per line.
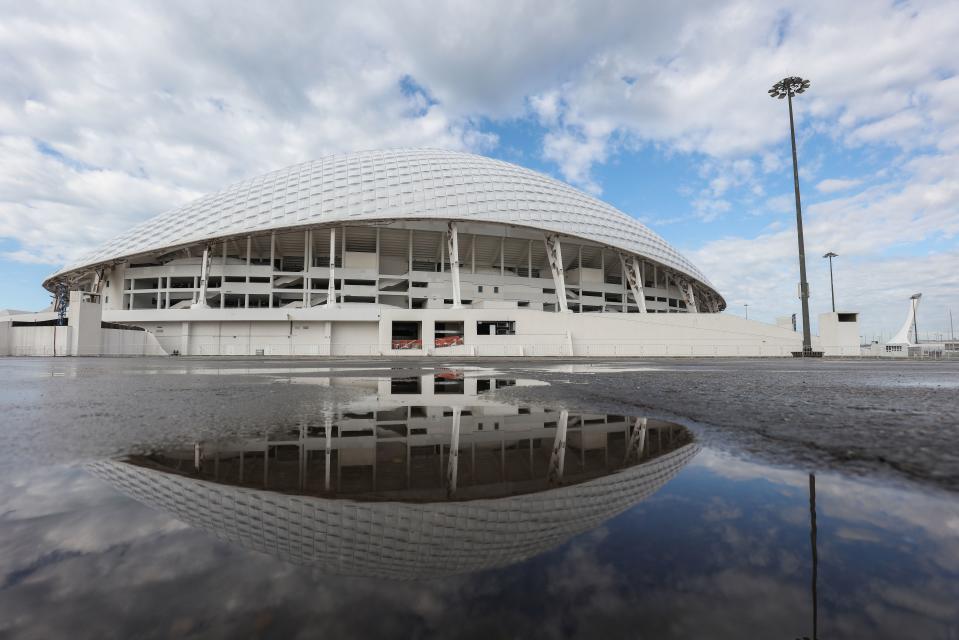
x,y
832,185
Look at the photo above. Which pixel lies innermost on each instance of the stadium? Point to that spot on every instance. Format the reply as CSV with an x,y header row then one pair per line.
x,y
397,252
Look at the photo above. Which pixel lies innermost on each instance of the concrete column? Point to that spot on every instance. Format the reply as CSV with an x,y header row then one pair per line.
x,y
307,263
453,245
637,441
554,252
557,458
223,277
204,275
687,288
453,466
529,261
328,429
331,287
185,339
272,258
634,277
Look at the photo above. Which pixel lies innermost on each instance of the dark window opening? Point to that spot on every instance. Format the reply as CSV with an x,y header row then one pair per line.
x,y
496,327
444,383
406,335
448,334
405,386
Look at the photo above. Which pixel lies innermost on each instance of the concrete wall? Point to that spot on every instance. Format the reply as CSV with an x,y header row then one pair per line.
x,y
39,341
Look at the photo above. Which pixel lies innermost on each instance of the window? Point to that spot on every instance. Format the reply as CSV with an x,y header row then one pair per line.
x,y
496,327
495,289
479,289
406,335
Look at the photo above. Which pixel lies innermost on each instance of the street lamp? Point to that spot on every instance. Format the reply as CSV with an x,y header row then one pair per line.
x,y
747,310
915,322
832,291
787,88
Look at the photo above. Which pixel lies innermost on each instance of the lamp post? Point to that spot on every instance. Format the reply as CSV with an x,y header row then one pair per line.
x,y
787,88
832,291
915,321
747,310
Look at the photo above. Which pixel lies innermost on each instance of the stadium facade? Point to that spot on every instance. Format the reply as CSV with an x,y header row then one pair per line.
x,y
407,251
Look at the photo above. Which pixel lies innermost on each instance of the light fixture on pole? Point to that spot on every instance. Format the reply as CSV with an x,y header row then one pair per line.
x,y
832,291
747,310
915,322
787,88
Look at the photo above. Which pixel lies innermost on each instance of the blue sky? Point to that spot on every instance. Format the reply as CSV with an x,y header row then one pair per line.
x,y
109,115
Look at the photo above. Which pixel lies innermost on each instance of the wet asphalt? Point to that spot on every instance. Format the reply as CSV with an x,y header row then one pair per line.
x,y
893,420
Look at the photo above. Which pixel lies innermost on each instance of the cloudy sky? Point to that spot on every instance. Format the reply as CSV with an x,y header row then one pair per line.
x,y
111,113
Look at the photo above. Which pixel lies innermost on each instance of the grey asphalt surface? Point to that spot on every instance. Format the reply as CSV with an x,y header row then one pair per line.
x,y
892,419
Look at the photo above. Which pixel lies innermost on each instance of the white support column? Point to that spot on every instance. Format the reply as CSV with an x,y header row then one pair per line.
x,y
529,261
473,253
687,288
328,429
554,252
502,256
637,441
97,280
307,260
249,252
204,275
331,287
634,276
557,458
453,466
453,246
272,268
223,276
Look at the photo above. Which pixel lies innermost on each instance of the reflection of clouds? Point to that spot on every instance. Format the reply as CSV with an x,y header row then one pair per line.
x,y
660,570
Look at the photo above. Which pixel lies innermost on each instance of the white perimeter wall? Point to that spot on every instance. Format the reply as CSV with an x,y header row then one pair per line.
x,y
49,341
538,333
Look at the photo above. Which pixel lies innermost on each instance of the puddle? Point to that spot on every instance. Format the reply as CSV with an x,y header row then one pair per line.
x,y
424,505
404,490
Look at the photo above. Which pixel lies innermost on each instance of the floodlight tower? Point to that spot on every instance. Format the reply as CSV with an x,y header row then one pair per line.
x,y
787,88
832,290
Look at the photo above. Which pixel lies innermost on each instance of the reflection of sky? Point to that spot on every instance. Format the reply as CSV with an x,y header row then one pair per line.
x,y
722,549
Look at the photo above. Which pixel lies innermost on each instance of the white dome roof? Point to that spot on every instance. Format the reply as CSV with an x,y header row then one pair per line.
x,y
399,183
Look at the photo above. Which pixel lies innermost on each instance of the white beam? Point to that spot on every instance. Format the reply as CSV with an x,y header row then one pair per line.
x,y
204,275
331,287
637,441
690,298
557,458
453,246
554,252
634,277
328,432
453,466
307,260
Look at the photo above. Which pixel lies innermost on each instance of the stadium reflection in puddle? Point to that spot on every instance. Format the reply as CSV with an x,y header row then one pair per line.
x,y
428,477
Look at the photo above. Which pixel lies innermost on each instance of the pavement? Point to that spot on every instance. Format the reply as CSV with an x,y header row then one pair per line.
x,y
886,418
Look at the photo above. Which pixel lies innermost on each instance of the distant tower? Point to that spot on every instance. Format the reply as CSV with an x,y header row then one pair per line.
x,y
910,324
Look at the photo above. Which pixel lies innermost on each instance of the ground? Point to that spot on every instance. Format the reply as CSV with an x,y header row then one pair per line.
x,y
896,418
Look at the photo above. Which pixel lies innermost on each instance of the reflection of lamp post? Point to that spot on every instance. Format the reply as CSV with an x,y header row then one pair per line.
x,y
832,291
915,322
815,554
787,88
